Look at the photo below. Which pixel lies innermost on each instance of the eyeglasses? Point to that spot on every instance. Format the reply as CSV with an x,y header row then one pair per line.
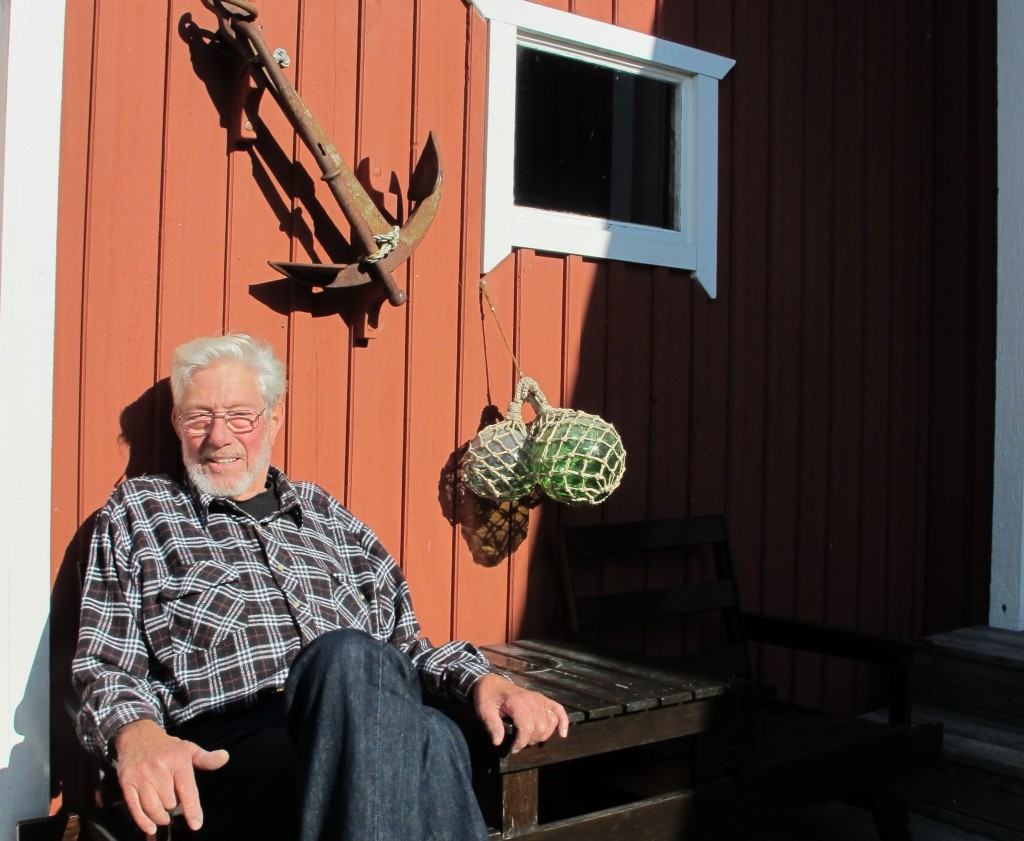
x,y
236,420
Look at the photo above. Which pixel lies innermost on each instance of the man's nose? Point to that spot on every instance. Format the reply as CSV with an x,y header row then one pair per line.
x,y
219,433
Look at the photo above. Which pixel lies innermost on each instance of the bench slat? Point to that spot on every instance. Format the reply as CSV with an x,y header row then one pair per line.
x,y
630,696
674,687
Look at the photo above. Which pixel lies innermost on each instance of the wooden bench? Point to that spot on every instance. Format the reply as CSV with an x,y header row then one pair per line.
x,y
778,757
615,706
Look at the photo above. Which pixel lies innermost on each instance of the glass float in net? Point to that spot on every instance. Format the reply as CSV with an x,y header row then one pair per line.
x,y
494,466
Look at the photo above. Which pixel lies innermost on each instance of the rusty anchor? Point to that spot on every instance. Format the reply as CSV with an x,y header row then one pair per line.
x,y
385,245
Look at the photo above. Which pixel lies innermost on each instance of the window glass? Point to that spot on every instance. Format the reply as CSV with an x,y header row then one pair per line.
x,y
594,140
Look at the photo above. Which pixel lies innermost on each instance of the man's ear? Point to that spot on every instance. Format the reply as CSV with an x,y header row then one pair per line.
x,y
276,418
174,421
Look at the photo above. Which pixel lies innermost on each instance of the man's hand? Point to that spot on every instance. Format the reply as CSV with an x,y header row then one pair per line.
x,y
535,717
156,774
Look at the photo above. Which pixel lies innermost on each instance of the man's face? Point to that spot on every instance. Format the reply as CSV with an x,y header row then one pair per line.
x,y
221,462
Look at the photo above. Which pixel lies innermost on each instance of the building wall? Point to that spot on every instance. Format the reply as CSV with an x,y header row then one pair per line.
x,y
31,44
1006,609
835,400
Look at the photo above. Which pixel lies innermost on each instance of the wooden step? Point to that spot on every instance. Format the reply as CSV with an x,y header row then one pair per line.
x,y
995,646
976,670
980,785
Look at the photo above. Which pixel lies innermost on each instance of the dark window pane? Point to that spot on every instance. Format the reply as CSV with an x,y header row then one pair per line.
x,y
593,140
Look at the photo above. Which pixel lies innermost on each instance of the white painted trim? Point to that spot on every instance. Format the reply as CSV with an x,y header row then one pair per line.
x,y
499,147
31,66
547,230
693,245
1006,594
604,37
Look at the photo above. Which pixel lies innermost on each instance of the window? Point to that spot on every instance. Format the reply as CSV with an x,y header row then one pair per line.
x,y
600,141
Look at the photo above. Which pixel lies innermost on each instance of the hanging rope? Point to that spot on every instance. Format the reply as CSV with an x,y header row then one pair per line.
x,y
387,243
497,321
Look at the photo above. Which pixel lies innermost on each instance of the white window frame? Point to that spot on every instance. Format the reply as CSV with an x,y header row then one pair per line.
x,y
693,246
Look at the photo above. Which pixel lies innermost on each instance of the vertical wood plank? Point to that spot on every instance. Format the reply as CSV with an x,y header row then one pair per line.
x,y
785,356
640,15
194,205
485,375
847,342
671,394
602,10
540,282
677,21
819,163
748,323
708,445
585,350
912,163
320,340
376,450
432,361
877,326
260,186
69,523
122,230
71,261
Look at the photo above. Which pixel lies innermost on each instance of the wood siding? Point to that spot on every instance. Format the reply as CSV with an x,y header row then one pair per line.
x,y
835,401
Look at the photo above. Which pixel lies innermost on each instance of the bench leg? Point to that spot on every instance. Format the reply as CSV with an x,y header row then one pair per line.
x,y
518,802
891,815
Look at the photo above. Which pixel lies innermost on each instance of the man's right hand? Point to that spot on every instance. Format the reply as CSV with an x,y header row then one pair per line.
x,y
156,772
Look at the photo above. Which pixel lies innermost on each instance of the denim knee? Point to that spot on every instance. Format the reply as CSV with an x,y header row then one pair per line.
x,y
343,655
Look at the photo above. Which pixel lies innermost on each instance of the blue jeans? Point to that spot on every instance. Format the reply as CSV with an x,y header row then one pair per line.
x,y
351,737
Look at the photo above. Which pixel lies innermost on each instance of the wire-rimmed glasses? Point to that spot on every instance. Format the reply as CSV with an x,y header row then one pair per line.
x,y
236,420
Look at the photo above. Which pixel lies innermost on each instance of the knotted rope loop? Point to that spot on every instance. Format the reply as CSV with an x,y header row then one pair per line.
x,y
387,243
527,390
281,57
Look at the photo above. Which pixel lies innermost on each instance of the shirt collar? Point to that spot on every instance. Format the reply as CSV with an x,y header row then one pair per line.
x,y
290,503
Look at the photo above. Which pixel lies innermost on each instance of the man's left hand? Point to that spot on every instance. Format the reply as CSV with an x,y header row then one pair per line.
x,y
535,716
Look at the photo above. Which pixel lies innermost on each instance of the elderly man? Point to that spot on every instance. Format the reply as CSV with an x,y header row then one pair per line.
x,y
234,613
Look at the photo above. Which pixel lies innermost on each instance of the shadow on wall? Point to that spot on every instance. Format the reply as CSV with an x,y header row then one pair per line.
x,y
153,448
492,530
288,188
146,431
27,764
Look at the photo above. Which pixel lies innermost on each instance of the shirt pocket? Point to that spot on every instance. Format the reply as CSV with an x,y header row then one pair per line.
x,y
202,606
333,600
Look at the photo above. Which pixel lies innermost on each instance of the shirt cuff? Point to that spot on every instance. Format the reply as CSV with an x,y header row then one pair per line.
x,y
461,678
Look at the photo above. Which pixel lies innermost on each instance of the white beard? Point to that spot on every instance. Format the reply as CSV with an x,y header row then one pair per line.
x,y
225,487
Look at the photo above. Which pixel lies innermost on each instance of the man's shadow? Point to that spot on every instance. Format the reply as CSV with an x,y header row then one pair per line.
x,y
153,448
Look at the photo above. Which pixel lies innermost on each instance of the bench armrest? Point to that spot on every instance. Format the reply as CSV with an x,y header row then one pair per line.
x,y
862,646
819,638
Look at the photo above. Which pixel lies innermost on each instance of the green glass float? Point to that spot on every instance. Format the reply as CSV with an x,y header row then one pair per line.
x,y
576,458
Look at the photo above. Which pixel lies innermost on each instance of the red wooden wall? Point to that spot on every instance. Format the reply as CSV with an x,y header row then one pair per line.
x,y
835,401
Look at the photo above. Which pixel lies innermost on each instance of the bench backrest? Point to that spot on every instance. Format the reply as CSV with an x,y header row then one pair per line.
x,y
662,587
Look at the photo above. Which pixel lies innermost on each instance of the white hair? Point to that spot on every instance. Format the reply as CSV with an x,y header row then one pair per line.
x,y
205,351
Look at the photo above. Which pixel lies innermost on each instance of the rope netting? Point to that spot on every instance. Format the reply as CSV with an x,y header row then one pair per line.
x,y
574,457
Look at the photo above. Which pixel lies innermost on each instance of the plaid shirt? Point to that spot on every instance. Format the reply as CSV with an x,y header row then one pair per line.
x,y
191,606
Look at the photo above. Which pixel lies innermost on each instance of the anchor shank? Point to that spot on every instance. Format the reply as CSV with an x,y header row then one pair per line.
x,y
353,199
